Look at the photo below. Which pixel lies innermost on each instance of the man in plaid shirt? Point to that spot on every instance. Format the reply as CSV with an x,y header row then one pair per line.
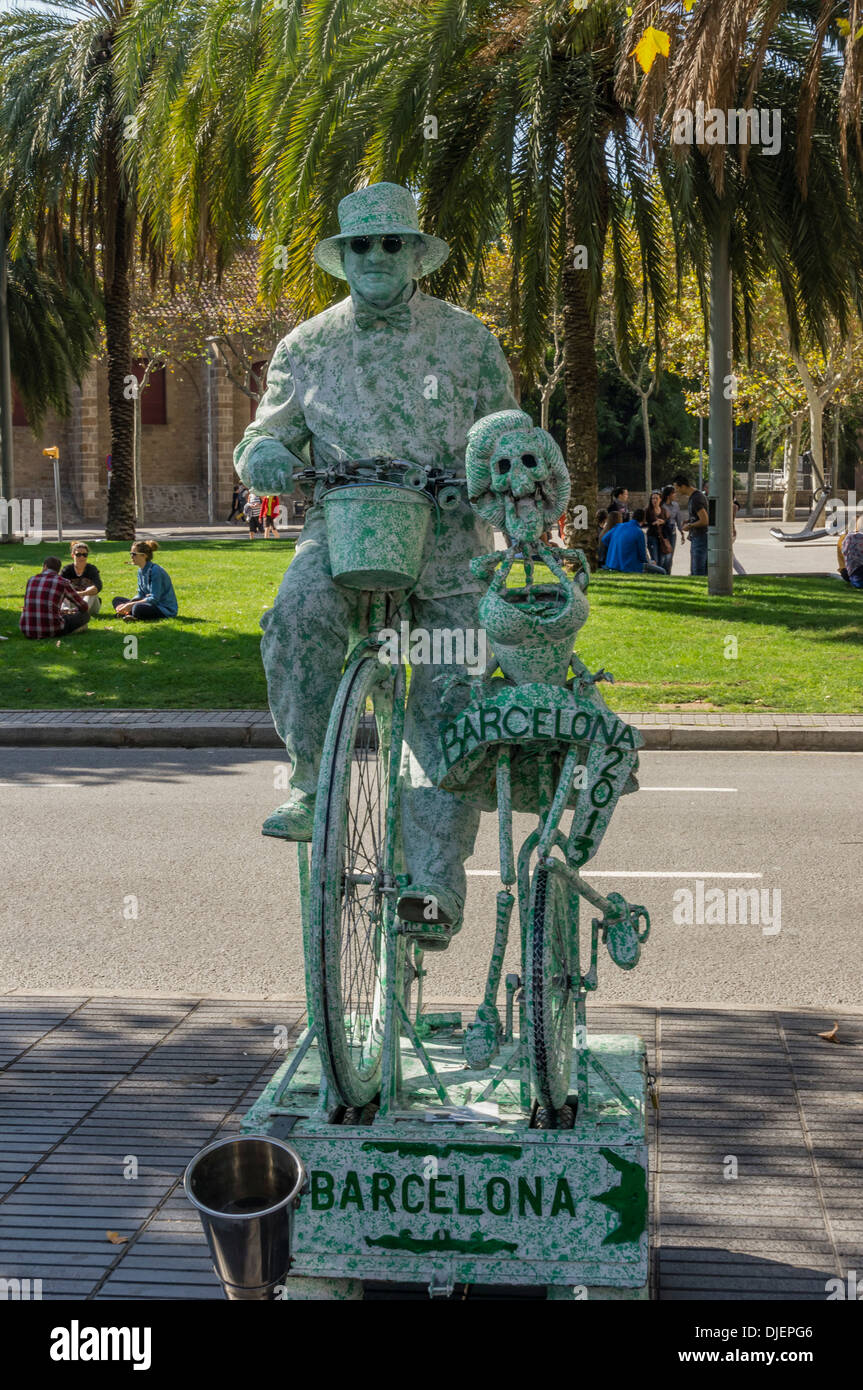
x,y
43,600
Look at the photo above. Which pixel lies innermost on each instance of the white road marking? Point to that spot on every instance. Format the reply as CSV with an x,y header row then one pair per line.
x,y
628,873
687,789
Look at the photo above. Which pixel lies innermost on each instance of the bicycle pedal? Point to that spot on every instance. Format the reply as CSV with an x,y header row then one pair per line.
x,y
432,936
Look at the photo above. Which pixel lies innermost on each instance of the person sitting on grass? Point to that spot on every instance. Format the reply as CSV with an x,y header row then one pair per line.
x,y
83,576
851,556
42,615
611,520
155,598
627,548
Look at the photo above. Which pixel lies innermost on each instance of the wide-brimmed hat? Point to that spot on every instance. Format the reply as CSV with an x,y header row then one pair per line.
x,y
381,209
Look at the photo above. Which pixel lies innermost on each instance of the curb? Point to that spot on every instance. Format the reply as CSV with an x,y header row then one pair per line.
x,y
130,729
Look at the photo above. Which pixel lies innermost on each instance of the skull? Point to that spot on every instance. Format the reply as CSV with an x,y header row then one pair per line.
x,y
516,474
517,478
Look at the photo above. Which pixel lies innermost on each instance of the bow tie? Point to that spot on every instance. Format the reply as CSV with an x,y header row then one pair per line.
x,y
367,316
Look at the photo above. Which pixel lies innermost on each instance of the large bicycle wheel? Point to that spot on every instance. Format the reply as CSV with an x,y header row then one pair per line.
x,y
352,861
549,995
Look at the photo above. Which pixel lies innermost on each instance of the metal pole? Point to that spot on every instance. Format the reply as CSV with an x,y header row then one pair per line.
x,y
57,499
211,514
720,483
7,468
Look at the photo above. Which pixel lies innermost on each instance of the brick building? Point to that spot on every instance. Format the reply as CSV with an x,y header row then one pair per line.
x,y
189,405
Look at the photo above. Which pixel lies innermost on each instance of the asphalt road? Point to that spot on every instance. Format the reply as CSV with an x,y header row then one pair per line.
x,y
92,836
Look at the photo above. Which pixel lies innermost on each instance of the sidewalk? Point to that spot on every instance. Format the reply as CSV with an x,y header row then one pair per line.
x,y
85,1083
839,733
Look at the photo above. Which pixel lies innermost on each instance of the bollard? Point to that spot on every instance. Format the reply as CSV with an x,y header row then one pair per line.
x,y
245,1189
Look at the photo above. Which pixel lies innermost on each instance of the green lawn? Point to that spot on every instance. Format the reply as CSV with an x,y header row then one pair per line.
x,y
799,640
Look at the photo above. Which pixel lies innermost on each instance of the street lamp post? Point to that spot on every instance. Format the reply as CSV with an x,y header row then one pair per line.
x,y
719,572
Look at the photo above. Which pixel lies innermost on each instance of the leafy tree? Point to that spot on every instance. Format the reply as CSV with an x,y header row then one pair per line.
x,y
505,119
53,328
798,212
62,131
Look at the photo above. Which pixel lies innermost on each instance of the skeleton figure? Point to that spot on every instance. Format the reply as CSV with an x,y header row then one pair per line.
x,y
516,475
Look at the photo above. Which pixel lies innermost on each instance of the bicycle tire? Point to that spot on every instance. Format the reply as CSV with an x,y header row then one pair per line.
x,y
549,996
351,858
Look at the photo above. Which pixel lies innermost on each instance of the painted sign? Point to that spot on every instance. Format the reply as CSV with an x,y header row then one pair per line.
x,y
534,1202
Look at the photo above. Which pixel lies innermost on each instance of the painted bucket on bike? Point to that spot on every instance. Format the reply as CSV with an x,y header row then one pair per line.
x,y
245,1190
377,534
532,630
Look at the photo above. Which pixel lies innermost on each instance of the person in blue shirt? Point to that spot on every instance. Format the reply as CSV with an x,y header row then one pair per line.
x,y
155,598
627,548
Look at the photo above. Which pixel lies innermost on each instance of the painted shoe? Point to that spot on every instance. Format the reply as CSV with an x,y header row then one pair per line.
x,y
431,913
293,820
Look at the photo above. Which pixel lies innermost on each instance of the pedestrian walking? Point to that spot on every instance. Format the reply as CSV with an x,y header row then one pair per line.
x,y
270,509
697,523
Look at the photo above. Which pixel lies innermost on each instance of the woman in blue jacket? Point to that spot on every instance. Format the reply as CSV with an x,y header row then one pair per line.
x,y
155,598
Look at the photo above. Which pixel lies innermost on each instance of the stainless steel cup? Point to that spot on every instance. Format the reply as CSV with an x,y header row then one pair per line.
x,y
245,1189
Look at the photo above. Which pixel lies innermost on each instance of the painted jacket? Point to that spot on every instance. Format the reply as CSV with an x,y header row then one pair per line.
x,y
410,390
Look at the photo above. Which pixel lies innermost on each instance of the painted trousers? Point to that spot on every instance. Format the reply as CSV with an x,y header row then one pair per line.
x,y
303,648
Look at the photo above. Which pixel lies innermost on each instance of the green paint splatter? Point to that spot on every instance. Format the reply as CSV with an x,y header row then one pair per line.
x,y
629,1199
406,1149
442,1240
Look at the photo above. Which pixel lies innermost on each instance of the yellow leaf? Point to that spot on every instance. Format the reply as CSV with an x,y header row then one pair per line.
x,y
649,46
844,26
115,1238
688,4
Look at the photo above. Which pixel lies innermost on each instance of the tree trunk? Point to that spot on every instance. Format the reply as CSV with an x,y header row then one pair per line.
x,y
120,523
648,445
720,579
7,467
816,440
580,374
792,457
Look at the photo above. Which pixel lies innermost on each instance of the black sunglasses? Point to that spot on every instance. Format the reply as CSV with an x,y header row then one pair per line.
x,y
360,245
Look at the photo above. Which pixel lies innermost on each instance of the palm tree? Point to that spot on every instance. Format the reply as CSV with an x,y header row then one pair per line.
x,y
526,139
799,214
63,126
54,329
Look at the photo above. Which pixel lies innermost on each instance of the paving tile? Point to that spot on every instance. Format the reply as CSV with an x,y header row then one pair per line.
x,y
160,1078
